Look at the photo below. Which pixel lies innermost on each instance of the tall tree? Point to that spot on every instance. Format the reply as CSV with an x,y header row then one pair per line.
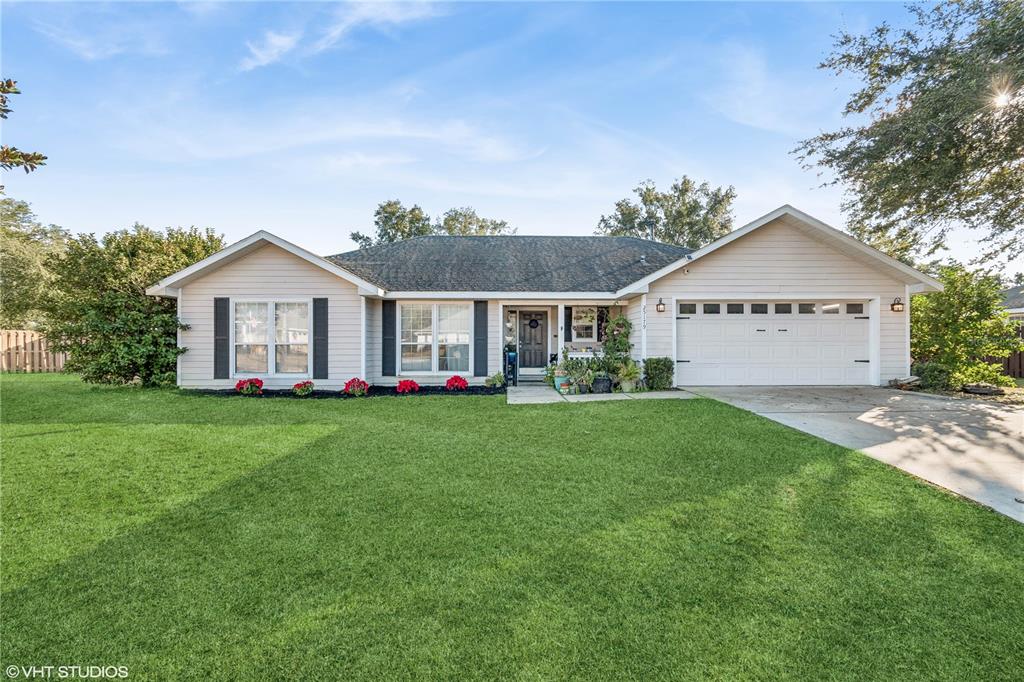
x,y
25,244
939,139
12,157
465,222
98,311
687,214
395,222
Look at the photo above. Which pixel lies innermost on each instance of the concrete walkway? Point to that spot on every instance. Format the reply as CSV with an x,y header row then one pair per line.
x,y
535,394
973,447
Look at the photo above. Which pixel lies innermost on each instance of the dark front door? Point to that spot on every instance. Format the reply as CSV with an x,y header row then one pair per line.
x,y
533,339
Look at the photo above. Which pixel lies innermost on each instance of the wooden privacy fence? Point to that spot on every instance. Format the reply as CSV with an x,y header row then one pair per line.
x,y
22,350
1013,365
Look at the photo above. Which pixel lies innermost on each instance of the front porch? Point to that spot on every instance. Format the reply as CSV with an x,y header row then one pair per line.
x,y
536,334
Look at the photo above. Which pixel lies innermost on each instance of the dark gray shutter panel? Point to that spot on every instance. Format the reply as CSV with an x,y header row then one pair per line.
x,y
602,320
320,342
479,338
568,324
221,338
387,346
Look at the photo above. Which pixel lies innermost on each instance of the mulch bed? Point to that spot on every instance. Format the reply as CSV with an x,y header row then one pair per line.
x,y
375,392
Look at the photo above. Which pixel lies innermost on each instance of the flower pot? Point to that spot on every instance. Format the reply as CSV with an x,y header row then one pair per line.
x,y
561,382
627,386
602,385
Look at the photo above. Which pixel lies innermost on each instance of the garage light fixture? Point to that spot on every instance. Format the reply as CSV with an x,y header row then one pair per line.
x,y
660,307
897,305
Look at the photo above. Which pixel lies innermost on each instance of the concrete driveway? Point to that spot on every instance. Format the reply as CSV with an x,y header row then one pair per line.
x,y
972,447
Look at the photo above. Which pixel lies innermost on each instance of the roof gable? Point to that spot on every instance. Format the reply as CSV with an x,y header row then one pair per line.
x,y
814,228
169,285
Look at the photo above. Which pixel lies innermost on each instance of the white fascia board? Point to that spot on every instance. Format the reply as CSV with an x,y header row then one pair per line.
x,y
249,243
508,295
925,283
1015,311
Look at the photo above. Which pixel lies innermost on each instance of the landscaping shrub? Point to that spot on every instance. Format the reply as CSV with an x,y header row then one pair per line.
x,y
96,308
658,373
356,387
933,375
406,386
616,338
496,380
303,388
981,372
250,386
456,383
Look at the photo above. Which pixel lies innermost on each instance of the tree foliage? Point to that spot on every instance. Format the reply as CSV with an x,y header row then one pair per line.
x,y
963,324
394,222
465,222
25,245
12,157
97,309
939,139
687,214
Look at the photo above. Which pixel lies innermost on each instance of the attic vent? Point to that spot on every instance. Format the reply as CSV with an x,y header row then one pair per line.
x,y
643,260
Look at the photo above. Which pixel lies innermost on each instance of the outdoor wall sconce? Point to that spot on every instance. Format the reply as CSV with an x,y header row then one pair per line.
x,y
660,307
897,305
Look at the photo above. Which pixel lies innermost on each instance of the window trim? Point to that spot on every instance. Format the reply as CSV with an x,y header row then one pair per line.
x,y
572,324
434,357
271,342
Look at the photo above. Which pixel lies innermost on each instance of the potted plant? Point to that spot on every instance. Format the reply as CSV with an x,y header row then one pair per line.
x,y
627,374
601,383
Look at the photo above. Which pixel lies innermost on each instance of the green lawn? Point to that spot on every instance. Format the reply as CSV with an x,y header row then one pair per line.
x,y
190,536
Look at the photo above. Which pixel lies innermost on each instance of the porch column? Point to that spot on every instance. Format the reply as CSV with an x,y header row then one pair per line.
x,y
561,330
643,326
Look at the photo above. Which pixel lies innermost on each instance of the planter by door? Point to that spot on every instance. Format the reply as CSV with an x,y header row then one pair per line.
x,y
602,385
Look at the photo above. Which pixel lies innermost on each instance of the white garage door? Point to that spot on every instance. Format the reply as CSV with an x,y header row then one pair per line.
x,y
730,343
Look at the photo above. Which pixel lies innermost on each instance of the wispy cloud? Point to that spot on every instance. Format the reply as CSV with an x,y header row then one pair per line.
x,y
752,92
105,40
378,15
270,49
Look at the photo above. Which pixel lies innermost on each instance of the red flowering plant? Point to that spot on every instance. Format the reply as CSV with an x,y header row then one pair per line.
x,y
250,386
456,383
356,387
303,388
406,386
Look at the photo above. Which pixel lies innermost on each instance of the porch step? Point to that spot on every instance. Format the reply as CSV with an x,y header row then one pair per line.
x,y
531,379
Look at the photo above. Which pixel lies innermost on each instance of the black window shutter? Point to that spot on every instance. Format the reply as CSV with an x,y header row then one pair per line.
x,y
221,338
320,343
387,346
602,320
479,338
568,324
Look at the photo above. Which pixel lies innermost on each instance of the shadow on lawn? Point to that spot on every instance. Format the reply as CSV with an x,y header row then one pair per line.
x,y
543,555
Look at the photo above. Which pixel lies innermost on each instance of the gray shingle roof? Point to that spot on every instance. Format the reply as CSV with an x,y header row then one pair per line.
x,y
1014,297
513,263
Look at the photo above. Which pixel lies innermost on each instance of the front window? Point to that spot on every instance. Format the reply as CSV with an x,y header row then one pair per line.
x,y
264,349
452,338
417,337
435,337
584,324
251,338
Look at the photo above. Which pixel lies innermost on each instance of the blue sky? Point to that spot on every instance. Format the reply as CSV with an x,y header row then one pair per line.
x,y
301,118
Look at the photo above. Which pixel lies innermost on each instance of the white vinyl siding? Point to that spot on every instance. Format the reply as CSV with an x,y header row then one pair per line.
x,y
269,274
770,262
